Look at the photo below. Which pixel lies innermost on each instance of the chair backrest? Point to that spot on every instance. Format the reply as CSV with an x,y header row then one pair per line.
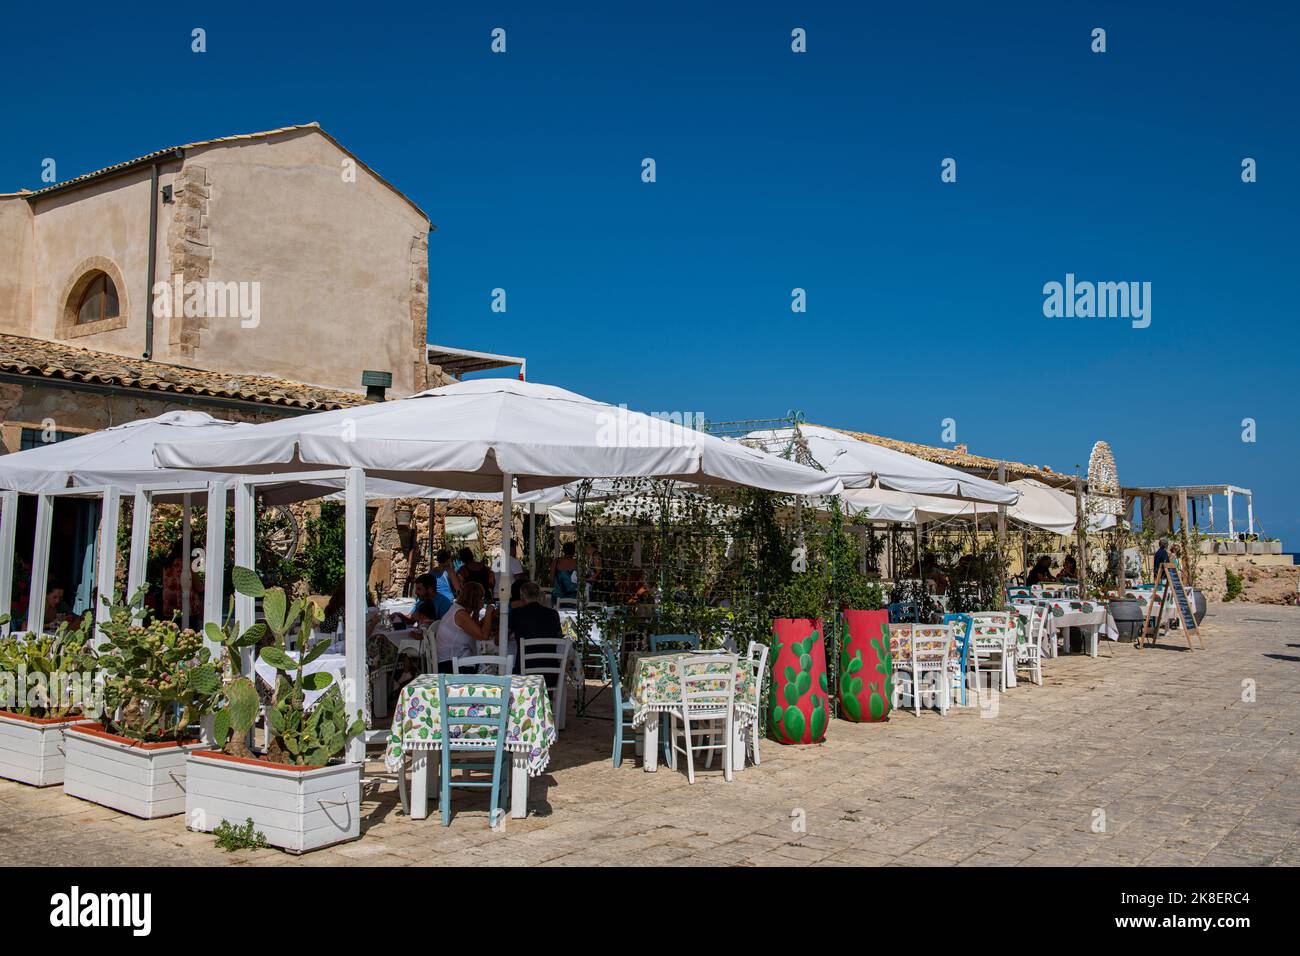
x,y
904,612
611,663
474,710
992,617
673,642
932,644
429,648
757,657
709,680
566,603
473,663
963,625
545,656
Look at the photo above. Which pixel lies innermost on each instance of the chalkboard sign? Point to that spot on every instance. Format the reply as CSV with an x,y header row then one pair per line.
x,y
1169,584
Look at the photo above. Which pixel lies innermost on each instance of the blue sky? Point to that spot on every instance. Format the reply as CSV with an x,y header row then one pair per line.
x,y
777,170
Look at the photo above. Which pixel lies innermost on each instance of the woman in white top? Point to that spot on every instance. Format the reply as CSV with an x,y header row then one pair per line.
x,y
460,629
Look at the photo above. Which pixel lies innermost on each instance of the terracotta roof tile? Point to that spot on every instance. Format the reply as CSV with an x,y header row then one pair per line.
x,y
60,361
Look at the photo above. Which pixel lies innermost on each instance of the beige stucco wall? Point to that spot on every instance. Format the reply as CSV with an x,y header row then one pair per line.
x,y
341,267
333,259
15,265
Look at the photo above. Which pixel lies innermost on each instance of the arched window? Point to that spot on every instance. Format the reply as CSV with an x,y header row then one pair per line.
x,y
99,301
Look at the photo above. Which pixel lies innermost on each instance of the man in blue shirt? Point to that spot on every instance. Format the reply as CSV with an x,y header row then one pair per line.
x,y
1162,557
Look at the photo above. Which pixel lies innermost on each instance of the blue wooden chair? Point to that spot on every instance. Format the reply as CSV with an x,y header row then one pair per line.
x,y
904,612
671,642
674,642
624,732
473,729
966,626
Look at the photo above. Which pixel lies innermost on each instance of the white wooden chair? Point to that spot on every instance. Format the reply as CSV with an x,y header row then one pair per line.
x,y
756,657
429,648
708,695
1029,652
499,664
921,653
994,642
550,658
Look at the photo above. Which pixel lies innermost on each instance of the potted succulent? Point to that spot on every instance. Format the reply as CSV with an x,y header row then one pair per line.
x,y
295,791
47,684
159,681
799,693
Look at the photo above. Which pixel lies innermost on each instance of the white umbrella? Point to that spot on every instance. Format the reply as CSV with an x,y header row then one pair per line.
x,y
1039,506
862,464
483,435
471,435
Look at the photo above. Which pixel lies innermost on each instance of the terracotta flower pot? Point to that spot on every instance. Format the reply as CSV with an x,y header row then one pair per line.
x,y
866,669
797,711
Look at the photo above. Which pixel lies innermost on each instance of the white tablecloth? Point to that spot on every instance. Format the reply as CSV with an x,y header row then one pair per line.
x,y
332,663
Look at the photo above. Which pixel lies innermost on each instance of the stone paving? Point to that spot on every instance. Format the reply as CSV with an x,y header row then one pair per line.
x,y
1146,757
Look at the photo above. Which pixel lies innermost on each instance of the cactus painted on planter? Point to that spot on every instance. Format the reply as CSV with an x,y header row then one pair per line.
x,y
798,695
866,669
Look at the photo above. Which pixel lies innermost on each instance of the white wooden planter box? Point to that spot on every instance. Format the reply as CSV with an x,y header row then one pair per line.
x,y
297,808
144,780
31,748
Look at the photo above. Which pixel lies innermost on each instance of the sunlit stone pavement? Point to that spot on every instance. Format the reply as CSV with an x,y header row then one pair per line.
x,y
1144,757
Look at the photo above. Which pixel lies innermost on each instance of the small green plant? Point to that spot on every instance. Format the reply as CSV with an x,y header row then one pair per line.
x,y
232,836
296,737
1234,585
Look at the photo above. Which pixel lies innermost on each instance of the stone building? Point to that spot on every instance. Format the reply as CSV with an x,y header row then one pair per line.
x,y
250,276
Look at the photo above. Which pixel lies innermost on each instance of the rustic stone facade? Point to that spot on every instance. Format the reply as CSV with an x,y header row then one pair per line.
x,y
189,249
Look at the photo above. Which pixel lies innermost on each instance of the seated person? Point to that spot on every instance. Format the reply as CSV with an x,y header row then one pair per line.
x,y
460,630
562,571
1040,572
533,621
1069,570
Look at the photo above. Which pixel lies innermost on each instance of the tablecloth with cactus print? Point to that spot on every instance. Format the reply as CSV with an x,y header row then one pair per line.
x,y
657,684
530,727
1070,613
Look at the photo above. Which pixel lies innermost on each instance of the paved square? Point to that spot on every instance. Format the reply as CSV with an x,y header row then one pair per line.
x,y
1148,757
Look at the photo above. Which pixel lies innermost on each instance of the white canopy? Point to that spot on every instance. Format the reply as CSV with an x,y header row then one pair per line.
x,y
470,435
122,456
862,464
1039,506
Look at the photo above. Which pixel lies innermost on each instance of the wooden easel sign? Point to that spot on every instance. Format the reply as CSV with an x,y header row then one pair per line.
x,y
1169,583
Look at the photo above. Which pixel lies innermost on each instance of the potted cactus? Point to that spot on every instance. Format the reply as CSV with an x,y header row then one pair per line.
x,y
295,790
47,684
798,702
159,681
866,670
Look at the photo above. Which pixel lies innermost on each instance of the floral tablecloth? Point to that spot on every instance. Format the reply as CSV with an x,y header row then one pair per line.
x,y
657,686
1062,614
530,729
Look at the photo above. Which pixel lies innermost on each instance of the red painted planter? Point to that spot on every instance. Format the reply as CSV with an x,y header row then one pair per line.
x,y
797,708
866,669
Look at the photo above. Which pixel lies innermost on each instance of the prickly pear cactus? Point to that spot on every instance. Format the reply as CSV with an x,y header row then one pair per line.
x,y
798,692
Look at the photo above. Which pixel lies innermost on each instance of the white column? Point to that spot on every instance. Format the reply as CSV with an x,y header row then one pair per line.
x,y
1231,530
110,516
40,565
245,557
1209,501
503,579
354,606
214,559
138,565
186,518
8,517
1250,514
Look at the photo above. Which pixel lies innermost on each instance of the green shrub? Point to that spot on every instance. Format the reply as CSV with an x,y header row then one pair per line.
x,y
232,837
1234,585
